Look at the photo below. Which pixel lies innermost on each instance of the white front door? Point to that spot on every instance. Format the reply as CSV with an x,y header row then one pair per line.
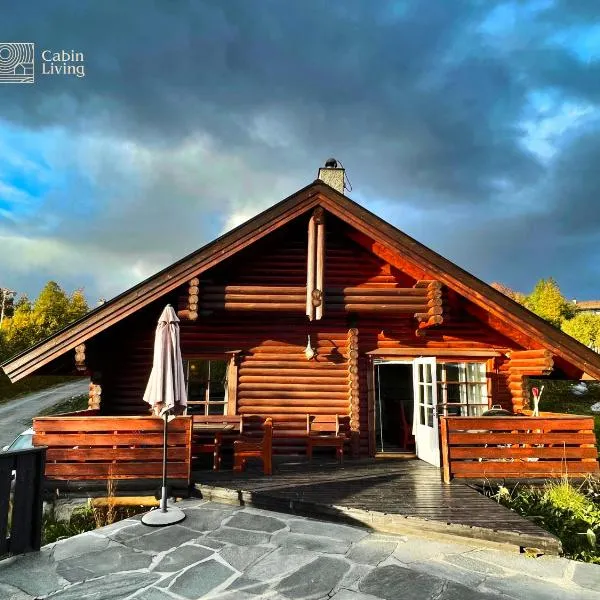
x,y
425,420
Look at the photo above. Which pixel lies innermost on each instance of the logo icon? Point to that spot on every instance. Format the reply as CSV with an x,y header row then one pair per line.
x,y
17,62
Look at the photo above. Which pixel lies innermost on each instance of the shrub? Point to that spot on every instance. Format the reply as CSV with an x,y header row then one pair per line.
x,y
570,513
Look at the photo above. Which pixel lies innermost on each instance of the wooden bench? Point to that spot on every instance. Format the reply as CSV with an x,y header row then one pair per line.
x,y
207,435
255,441
324,430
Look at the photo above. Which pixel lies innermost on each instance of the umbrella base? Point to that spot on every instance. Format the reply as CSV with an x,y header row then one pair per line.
x,y
160,518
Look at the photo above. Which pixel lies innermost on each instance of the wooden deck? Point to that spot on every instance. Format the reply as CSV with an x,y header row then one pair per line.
x,y
386,495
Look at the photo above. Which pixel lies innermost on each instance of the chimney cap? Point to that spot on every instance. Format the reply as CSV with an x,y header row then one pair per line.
x,y
331,163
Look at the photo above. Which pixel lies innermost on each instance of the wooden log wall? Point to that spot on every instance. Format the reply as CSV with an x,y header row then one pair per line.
x,y
274,376
521,365
424,301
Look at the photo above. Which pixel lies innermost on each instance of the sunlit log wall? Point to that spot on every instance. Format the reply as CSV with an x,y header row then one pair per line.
x,y
274,376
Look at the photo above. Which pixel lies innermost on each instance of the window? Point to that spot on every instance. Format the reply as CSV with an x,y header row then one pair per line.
x,y
207,386
462,388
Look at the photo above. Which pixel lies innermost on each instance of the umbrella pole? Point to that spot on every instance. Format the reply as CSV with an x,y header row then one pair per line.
x,y
163,496
164,515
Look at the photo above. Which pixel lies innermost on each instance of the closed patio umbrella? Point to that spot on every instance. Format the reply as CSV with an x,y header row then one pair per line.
x,y
166,394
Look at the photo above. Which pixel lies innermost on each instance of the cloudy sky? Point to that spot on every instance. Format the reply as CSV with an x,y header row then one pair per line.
x,y
473,126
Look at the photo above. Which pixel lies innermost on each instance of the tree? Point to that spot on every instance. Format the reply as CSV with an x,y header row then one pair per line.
x,y
547,302
30,323
512,294
78,305
584,327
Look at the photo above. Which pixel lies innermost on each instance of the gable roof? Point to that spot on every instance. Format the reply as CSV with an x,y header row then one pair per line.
x,y
582,305
317,193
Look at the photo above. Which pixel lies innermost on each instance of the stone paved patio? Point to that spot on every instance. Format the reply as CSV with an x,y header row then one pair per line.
x,y
227,552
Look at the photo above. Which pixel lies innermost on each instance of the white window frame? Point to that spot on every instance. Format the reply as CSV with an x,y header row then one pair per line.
x,y
207,402
467,408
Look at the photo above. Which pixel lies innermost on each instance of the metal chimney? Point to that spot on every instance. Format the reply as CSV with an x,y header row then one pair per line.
x,y
333,175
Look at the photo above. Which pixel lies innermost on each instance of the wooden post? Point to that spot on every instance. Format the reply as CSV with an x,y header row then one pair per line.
x,y
310,269
371,405
353,385
193,299
94,395
80,358
445,451
232,382
320,266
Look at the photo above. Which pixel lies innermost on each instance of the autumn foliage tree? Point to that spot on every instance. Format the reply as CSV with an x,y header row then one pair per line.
x,y
547,301
30,322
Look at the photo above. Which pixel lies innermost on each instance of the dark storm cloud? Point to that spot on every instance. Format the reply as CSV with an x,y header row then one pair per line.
x,y
423,107
389,83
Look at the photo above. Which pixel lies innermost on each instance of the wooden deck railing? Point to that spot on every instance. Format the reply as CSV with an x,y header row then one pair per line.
x,y
99,448
21,528
518,447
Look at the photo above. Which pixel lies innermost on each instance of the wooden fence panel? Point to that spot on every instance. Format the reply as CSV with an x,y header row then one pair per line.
x,y
97,448
518,447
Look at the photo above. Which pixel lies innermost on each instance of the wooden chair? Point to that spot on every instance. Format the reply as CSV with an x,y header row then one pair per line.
x,y
255,441
207,435
408,440
324,430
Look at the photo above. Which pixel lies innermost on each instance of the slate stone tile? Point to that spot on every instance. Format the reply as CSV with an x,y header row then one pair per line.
x,y
279,563
370,552
352,595
162,539
79,544
243,595
445,570
226,508
392,582
587,575
116,526
111,560
109,587
315,579
456,591
239,537
323,528
17,572
254,522
354,575
523,587
166,581
182,557
153,594
311,542
209,543
471,563
415,549
201,519
521,563
240,557
8,592
201,579
248,586
128,532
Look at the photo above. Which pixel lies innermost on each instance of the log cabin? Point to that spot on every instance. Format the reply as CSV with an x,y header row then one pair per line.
x,y
318,307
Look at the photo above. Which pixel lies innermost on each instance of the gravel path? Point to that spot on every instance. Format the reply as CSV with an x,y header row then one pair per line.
x,y
16,415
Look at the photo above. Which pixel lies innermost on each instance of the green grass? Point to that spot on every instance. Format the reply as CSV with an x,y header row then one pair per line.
x,y
571,512
83,518
10,391
66,406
